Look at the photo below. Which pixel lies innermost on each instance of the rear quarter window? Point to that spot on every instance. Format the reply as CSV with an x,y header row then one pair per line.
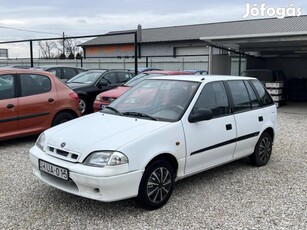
x,y
264,96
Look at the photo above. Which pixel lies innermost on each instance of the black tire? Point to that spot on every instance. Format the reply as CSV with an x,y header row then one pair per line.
x,y
263,150
156,185
83,105
61,118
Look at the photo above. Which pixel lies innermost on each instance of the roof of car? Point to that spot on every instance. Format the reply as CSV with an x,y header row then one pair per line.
x,y
201,78
167,72
18,70
54,66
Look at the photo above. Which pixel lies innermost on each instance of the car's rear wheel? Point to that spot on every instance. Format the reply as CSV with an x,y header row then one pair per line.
x,y
61,118
156,185
263,150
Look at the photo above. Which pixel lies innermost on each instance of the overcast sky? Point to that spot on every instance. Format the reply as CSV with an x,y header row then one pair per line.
x,y
52,18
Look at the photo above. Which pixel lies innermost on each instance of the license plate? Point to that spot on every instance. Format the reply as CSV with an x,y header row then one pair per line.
x,y
53,170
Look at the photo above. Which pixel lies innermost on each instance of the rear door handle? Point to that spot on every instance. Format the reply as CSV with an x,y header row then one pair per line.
x,y
228,127
50,100
10,106
260,118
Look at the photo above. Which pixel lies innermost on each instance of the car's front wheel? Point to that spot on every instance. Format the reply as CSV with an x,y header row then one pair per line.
x,y
83,105
61,118
156,185
263,150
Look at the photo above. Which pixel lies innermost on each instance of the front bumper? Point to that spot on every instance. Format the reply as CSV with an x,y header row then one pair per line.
x,y
95,183
97,105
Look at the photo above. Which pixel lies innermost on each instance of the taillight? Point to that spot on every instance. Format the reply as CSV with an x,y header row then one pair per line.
x,y
74,96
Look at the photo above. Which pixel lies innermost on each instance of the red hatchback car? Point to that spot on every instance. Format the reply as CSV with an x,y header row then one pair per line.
x,y
32,101
105,98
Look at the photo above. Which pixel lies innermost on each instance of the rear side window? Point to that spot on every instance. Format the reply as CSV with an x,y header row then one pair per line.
x,y
252,95
34,84
264,96
239,95
6,86
214,97
69,73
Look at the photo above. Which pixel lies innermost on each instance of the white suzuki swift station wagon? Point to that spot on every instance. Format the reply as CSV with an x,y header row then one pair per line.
x,y
160,131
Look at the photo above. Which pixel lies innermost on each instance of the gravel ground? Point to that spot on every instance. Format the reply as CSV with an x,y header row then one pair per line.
x,y
233,196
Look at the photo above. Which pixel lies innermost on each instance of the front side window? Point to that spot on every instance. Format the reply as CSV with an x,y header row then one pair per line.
x,y
239,95
32,84
214,97
6,86
55,71
110,78
123,77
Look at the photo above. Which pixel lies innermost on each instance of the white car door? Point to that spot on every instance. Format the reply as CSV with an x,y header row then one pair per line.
x,y
249,116
210,142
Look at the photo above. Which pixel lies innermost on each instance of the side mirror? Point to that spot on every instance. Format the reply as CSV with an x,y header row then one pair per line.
x,y
198,114
102,83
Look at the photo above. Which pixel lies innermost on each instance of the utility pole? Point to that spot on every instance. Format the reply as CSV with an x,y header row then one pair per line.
x,y
63,43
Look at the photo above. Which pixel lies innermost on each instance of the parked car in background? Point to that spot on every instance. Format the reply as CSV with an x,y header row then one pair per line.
x,y
144,69
198,71
266,75
62,72
134,149
109,96
89,84
17,66
270,75
32,101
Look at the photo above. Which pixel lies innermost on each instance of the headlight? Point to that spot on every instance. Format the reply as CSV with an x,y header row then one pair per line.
x,y
41,141
104,158
97,98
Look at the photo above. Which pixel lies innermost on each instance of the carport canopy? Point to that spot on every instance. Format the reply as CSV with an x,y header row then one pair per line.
x,y
286,44
268,37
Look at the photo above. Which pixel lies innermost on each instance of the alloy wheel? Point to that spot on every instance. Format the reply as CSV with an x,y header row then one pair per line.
x,y
159,185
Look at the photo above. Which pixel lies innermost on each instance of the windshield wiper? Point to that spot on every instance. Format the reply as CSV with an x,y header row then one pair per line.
x,y
113,109
137,114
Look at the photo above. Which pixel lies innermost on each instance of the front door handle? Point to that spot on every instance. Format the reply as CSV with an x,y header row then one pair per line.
x,y
228,127
50,100
10,106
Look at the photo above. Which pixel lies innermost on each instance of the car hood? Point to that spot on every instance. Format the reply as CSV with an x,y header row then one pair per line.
x,y
116,92
99,131
74,85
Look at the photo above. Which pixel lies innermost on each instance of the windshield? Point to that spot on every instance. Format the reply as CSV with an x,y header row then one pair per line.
x,y
140,77
87,77
155,99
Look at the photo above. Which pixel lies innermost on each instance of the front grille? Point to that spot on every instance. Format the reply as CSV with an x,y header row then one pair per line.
x,y
63,154
107,99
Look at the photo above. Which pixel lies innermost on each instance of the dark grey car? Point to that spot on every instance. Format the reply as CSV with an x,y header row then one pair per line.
x,y
62,72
